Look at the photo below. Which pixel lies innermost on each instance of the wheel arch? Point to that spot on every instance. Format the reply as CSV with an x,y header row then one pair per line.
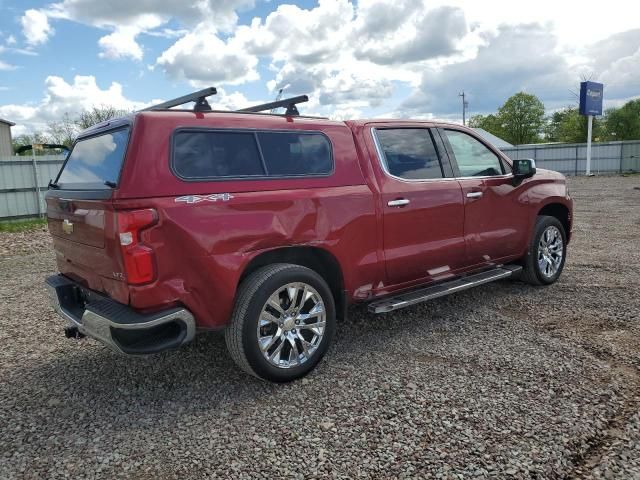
x,y
561,212
323,262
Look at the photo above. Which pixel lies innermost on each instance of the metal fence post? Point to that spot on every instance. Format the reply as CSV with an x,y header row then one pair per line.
x,y
621,157
576,169
34,164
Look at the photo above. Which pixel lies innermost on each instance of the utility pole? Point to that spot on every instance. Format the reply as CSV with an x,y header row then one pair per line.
x,y
465,104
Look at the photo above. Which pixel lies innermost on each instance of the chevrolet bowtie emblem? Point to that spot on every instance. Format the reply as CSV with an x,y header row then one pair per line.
x,y
67,227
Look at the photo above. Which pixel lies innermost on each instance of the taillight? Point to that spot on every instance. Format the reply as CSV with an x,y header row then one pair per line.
x,y
139,263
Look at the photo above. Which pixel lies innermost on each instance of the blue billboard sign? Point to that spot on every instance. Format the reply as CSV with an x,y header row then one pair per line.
x,y
591,98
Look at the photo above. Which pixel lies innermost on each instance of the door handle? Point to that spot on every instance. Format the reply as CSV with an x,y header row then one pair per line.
x,y
399,202
474,194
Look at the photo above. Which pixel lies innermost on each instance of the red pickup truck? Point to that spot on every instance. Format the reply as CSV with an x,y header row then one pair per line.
x,y
171,221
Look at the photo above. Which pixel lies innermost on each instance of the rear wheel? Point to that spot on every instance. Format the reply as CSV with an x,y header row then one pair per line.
x,y
283,322
547,252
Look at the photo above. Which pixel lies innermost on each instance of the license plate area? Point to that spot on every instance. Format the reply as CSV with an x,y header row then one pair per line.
x,y
73,300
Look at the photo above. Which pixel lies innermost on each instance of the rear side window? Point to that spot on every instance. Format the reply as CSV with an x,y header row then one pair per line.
x,y
207,154
95,162
409,153
295,153
216,154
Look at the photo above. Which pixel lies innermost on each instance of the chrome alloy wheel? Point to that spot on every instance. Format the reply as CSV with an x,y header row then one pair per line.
x,y
291,325
550,251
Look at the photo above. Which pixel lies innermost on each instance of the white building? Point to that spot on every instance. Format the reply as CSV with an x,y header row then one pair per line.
x,y
6,145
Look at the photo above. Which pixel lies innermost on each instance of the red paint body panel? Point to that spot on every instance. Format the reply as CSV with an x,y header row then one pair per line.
x,y
423,239
88,254
202,249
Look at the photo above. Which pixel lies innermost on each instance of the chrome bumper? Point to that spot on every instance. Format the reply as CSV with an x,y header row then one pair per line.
x,y
118,326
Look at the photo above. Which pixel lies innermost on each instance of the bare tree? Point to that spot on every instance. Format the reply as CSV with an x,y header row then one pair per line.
x,y
65,130
98,114
62,132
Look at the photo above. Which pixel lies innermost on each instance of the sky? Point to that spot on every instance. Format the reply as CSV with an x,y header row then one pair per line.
x,y
355,59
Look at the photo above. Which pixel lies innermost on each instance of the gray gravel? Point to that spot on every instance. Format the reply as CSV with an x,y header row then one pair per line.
x,y
504,381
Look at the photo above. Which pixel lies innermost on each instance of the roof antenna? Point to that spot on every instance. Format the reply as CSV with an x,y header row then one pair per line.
x,y
278,97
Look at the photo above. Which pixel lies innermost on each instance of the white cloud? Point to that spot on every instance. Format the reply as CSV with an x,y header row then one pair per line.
x,y
502,67
312,51
429,34
345,114
61,98
128,19
3,65
6,66
231,101
615,61
291,33
202,58
351,56
114,13
120,44
35,27
11,40
350,89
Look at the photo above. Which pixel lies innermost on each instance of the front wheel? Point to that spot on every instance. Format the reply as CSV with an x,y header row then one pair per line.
x,y
282,323
547,252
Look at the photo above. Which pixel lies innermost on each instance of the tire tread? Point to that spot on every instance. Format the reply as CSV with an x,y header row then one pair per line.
x,y
529,274
247,290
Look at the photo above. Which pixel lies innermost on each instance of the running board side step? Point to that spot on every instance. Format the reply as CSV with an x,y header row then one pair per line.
x,y
407,299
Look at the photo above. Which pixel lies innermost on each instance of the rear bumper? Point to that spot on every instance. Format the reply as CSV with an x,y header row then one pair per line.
x,y
116,325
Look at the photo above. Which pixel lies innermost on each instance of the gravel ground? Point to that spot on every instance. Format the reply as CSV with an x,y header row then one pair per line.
x,y
503,381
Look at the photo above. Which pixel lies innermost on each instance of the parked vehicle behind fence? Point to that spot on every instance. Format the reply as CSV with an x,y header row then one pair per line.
x,y
172,221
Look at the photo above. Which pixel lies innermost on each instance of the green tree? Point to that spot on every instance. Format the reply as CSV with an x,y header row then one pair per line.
x,y
522,118
29,139
623,123
490,123
568,126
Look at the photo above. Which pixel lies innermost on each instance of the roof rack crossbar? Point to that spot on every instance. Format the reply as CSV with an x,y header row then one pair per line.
x,y
288,103
200,97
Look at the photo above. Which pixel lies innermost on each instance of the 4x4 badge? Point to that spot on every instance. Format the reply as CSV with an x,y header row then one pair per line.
x,y
214,197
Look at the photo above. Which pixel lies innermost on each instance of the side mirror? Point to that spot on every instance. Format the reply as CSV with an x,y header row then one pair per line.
x,y
524,168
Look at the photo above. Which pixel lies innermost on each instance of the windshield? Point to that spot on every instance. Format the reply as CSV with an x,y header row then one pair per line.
x,y
95,162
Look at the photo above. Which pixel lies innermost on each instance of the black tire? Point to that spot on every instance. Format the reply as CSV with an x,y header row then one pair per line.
x,y
242,336
532,272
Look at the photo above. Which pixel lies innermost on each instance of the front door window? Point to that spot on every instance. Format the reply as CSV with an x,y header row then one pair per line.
x,y
474,158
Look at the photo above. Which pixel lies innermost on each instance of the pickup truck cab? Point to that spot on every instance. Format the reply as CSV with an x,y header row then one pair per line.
x,y
168,222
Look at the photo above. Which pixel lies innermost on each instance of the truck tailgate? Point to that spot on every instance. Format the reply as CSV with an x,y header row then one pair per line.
x,y
83,233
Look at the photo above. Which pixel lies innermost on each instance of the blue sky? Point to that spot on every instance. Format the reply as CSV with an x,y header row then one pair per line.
x,y
401,58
